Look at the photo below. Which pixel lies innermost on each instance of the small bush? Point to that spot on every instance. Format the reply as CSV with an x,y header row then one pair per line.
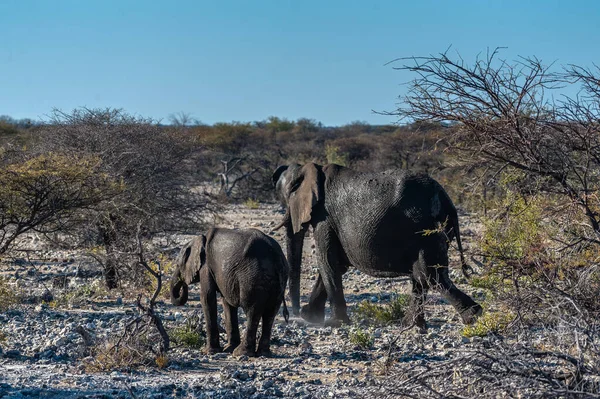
x,y
488,282
251,203
333,155
516,237
162,361
8,298
383,314
110,357
361,338
188,335
488,323
78,296
137,346
3,337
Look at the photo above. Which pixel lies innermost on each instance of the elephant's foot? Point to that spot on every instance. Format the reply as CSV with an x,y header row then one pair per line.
x,y
243,350
230,347
296,311
211,350
471,314
332,322
311,315
336,320
415,319
266,352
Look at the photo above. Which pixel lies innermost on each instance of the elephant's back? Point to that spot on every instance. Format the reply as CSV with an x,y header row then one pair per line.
x,y
378,218
369,200
253,267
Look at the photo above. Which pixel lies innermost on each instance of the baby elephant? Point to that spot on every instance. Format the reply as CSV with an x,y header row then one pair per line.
x,y
250,271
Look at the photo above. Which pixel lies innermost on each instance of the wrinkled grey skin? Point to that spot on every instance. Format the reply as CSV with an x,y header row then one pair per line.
x,y
386,224
249,270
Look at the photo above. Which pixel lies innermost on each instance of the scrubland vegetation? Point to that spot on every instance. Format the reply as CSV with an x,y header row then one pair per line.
x,y
524,163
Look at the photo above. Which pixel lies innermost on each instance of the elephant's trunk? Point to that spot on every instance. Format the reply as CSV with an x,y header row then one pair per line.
x,y
284,221
179,290
295,243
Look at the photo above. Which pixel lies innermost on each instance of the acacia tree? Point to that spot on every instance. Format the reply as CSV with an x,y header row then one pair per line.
x,y
43,193
182,119
504,117
152,165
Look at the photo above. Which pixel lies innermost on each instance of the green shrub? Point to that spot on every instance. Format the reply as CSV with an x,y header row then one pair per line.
x,y
333,155
361,338
188,335
8,298
515,231
383,314
79,295
486,281
488,323
251,203
517,240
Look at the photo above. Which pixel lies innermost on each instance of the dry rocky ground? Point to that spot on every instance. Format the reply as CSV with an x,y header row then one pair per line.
x,y
44,354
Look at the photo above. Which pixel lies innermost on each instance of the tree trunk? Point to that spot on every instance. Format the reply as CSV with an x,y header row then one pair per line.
x,y
108,235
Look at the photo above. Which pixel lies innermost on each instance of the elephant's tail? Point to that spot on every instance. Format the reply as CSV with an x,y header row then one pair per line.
x,y
286,314
454,229
284,279
466,268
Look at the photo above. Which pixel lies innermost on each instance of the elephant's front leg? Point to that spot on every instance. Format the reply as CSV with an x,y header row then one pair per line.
x,y
295,243
231,326
314,312
208,298
331,271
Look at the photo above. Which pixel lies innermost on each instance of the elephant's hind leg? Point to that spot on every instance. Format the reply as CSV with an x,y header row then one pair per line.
x,y
467,308
231,326
248,345
436,261
415,314
314,312
268,317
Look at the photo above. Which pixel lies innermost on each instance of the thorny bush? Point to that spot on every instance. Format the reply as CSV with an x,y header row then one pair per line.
x,y
153,167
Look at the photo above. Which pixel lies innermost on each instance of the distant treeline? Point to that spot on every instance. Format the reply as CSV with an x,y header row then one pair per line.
x,y
252,150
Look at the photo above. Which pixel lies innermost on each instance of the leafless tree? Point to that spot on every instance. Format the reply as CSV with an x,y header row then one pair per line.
x,y
504,116
149,310
234,171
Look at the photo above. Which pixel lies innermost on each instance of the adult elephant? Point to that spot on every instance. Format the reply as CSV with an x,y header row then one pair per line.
x,y
386,224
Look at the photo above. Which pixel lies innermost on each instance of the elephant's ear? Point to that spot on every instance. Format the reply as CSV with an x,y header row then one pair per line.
x,y
306,192
195,259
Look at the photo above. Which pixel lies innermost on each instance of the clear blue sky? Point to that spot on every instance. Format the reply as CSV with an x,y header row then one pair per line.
x,y
247,60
